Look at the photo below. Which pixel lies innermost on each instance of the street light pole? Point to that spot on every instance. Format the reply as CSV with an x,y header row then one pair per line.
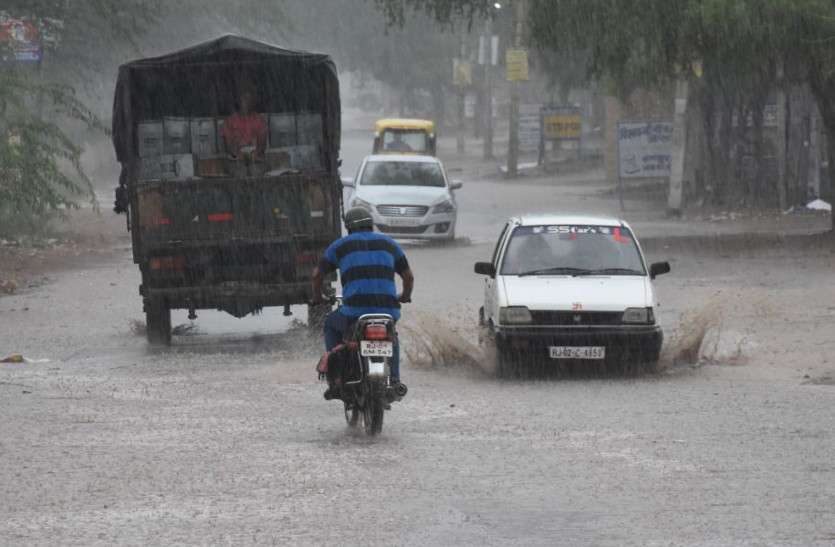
x,y
459,141
513,136
487,108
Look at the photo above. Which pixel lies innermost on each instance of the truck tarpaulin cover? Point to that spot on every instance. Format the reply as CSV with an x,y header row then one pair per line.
x,y
204,81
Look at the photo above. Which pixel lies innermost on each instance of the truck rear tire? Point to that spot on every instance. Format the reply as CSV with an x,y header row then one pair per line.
x,y
158,322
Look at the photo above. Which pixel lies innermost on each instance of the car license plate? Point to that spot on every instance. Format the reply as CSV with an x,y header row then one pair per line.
x,y
376,349
573,352
403,221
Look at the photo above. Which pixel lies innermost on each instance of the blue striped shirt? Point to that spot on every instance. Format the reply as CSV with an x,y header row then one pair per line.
x,y
367,262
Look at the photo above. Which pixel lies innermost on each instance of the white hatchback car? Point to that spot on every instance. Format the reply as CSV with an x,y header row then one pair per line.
x,y
409,196
570,289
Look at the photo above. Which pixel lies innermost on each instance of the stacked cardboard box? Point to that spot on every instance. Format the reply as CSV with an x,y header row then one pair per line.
x,y
180,148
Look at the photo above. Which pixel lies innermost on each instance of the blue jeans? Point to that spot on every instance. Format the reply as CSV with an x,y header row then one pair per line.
x,y
335,326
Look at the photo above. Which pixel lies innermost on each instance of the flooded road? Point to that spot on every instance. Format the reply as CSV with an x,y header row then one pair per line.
x,y
225,438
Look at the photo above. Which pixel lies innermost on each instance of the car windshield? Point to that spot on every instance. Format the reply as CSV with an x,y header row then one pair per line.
x,y
402,173
572,250
404,141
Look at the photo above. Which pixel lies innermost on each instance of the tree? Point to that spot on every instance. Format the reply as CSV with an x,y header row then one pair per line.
x,y
416,56
40,170
745,47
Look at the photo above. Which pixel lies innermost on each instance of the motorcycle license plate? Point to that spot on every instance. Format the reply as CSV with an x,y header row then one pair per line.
x,y
574,352
376,349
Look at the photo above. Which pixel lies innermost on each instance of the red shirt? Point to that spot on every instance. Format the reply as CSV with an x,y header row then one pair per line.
x,y
241,131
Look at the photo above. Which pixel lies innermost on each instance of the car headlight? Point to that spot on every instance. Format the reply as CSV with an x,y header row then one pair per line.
x,y
639,315
357,202
444,207
514,315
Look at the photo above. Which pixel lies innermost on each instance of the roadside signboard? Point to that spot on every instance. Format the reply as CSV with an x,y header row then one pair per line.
x,y
530,127
516,61
469,105
561,123
644,149
20,40
488,50
462,73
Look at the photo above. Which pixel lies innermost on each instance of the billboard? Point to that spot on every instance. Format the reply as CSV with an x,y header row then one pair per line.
x,y
645,149
20,40
462,73
561,123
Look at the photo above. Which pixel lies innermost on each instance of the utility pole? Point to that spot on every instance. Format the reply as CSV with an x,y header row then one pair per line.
x,y
460,145
519,17
679,151
487,107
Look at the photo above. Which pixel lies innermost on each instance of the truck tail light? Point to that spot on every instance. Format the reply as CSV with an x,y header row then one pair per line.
x,y
303,259
175,263
220,217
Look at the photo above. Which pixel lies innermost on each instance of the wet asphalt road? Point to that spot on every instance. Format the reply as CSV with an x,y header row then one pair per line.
x,y
225,439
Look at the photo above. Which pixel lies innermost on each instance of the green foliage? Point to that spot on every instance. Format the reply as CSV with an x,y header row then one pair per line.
x,y
416,55
40,170
445,12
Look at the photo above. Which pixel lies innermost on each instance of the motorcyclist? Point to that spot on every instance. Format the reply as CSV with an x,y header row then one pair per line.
x,y
367,262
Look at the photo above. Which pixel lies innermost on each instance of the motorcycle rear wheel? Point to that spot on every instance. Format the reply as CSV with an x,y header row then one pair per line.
x,y
373,417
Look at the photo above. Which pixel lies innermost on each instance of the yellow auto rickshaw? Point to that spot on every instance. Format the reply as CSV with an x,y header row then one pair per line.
x,y
404,136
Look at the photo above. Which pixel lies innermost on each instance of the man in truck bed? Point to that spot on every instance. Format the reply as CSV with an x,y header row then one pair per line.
x,y
245,128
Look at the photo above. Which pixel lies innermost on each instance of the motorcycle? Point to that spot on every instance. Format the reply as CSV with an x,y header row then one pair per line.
x,y
364,377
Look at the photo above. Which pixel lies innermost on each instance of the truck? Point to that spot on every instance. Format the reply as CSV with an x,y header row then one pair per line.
x,y
209,230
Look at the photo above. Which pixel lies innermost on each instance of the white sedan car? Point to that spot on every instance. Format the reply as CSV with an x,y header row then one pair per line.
x,y
408,196
570,289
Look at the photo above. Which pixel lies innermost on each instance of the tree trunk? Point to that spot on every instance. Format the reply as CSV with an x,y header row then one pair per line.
x,y
438,107
757,145
823,89
723,166
709,122
741,177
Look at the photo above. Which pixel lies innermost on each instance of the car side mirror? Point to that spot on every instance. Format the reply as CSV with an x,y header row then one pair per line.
x,y
348,182
658,268
456,185
485,268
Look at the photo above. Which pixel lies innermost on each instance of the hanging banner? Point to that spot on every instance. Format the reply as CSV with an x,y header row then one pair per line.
x,y
20,40
645,149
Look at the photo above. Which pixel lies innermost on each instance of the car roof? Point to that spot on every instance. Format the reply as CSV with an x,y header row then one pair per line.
x,y
568,219
403,157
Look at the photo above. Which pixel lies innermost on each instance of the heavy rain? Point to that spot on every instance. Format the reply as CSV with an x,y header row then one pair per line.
x,y
417,272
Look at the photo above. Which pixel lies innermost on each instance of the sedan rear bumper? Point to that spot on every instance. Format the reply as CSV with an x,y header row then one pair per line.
x,y
431,226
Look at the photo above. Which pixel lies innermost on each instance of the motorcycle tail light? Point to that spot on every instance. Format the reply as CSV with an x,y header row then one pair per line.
x,y
376,332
